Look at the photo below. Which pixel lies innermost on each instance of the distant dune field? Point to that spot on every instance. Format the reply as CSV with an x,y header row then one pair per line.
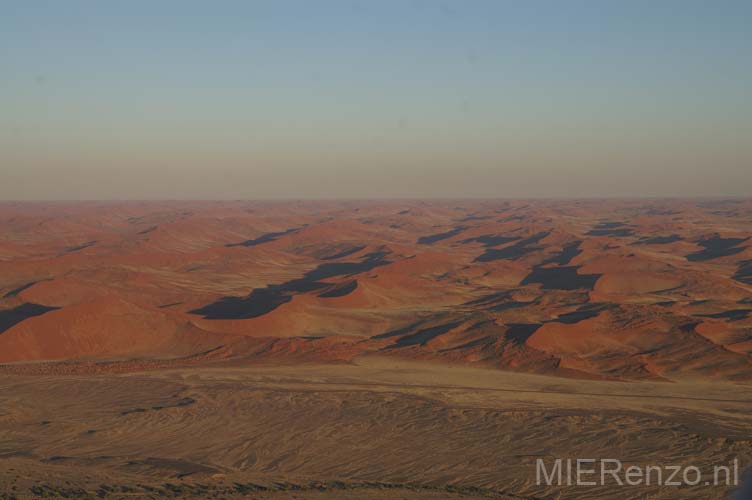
x,y
619,290
369,349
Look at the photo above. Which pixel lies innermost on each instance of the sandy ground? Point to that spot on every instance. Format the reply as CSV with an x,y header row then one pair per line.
x,y
379,429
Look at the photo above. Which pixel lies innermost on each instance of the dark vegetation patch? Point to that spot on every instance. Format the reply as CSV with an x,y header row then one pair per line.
x,y
264,300
178,404
11,317
341,290
561,278
717,247
148,230
515,251
430,240
133,410
181,468
192,489
48,491
264,238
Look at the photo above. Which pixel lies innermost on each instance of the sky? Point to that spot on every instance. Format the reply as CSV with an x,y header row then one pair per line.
x,y
374,99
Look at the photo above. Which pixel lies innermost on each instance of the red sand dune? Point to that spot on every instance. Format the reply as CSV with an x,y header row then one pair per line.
x,y
614,289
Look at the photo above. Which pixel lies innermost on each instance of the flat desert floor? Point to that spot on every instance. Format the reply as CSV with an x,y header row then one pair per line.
x,y
375,429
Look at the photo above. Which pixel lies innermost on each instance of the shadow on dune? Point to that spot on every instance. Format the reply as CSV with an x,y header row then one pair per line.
x,y
561,278
264,300
11,317
429,240
264,238
717,247
512,252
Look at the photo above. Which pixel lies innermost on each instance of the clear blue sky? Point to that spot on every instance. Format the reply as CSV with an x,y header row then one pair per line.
x,y
183,99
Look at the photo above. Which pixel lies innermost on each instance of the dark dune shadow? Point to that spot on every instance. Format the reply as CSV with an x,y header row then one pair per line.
x,y
265,238
21,288
610,229
744,273
568,252
80,247
491,240
397,332
520,332
661,211
732,315
688,327
514,304
717,247
658,240
561,278
171,304
499,301
583,312
341,290
429,240
421,337
343,253
515,251
264,300
470,218
471,344
11,317
490,299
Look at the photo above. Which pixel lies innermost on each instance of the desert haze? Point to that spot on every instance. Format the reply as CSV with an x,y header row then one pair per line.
x,y
370,349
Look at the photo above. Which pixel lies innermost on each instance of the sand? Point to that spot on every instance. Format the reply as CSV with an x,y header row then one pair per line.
x,y
377,429
369,349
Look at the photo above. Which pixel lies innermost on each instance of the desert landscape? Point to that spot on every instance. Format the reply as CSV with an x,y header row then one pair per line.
x,y
406,349
375,250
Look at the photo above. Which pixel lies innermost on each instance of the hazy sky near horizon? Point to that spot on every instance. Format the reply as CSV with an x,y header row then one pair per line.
x,y
333,99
